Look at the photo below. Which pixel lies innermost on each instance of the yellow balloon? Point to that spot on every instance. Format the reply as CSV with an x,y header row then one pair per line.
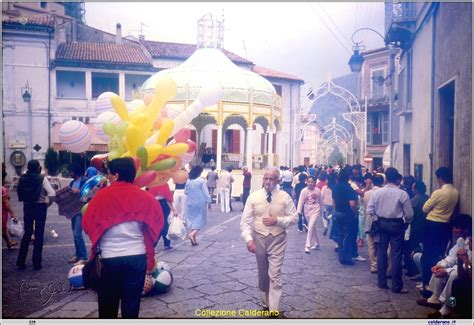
x,y
158,122
175,149
139,110
135,137
120,107
153,151
165,90
165,131
139,119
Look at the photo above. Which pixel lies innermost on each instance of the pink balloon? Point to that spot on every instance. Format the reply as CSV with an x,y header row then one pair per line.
x,y
136,162
182,135
192,145
145,178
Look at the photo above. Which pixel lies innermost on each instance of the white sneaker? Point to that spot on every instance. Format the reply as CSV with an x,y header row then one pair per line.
x,y
359,259
315,246
306,249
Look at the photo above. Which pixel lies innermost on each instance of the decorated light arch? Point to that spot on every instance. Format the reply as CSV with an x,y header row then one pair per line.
x,y
356,116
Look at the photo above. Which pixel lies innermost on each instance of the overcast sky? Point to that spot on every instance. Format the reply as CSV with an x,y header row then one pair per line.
x,y
306,39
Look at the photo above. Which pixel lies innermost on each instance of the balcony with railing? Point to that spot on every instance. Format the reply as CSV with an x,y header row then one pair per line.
x,y
400,22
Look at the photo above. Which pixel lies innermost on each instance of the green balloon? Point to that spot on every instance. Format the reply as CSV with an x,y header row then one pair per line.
x,y
84,208
109,128
142,154
163,165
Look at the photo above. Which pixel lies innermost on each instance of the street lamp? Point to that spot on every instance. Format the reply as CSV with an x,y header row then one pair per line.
x,y
356,60
355,64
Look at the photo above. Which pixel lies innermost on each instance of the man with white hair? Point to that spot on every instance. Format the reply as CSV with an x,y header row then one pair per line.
x,y
267,214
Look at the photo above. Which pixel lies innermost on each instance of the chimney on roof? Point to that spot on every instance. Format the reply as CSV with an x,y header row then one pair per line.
x,y
141,38
74,30
118,34
61,34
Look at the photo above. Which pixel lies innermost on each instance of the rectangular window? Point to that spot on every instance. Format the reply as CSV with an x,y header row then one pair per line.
x,y
43,5
377,128
133,84
102,82
377,88
70,84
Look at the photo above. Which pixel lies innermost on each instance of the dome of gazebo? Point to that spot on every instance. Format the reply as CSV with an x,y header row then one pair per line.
x,y
211,63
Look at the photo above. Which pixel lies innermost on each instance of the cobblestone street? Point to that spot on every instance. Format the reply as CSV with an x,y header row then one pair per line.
x,y
218,274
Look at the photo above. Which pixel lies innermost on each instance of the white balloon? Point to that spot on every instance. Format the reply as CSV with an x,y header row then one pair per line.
x,y
75,136
134,104
105,117
104,102
211,94
187,116
152,140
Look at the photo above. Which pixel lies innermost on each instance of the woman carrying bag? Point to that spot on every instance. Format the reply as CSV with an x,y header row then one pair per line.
x,y
197,203
125,231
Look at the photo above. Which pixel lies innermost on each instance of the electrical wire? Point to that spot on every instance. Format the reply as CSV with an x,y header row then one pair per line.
x,y
330,30
340,31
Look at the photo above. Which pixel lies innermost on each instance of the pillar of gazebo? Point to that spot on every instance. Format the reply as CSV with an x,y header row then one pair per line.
x,y
249,149
271,161
219,148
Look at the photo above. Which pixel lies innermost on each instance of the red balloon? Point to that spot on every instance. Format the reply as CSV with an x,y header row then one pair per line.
x,y
182,135
192,145
98,161
136,162
145,178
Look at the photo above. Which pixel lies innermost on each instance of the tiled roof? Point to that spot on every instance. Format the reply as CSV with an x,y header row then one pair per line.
x,y
39,20
269,73
102,52
378,50
182,51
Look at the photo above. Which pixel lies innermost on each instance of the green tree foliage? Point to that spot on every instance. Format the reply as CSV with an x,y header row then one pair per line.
x,y
51,162
336,157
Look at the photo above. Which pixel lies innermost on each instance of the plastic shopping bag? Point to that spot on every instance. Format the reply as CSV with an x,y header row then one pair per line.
x,y
176,229
15,228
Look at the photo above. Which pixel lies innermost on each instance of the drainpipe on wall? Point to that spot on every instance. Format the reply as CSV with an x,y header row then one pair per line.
x,y
292,131
433,74
49,89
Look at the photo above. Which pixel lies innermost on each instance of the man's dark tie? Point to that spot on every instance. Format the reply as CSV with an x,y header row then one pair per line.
x,y
269,197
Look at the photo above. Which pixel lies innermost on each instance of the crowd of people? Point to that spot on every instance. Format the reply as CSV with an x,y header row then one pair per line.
x,y
401,226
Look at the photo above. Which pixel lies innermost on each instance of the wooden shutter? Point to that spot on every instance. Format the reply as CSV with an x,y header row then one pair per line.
x,y
214,140
262,143
274,142
235,141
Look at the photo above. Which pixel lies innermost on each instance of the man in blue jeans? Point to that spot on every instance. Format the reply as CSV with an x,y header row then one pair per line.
x,y
77,172
345,212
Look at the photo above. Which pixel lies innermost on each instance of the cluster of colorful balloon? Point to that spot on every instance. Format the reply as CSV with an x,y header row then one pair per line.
x,y
156,138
